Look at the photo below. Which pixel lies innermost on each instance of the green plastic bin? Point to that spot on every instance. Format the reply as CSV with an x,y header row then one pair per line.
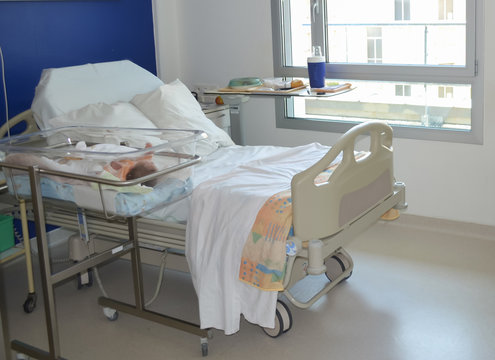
x,y
6,232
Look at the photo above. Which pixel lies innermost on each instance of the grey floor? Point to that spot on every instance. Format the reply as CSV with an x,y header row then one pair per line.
x,y
415,294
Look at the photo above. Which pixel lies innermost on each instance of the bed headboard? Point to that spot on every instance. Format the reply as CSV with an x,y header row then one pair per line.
x,y
354,187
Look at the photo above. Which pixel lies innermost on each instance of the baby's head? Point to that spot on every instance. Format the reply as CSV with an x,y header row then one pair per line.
x,y
143,168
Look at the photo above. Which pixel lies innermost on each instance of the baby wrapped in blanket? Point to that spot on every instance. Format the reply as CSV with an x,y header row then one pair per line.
x,y
130,169
113,162
122,169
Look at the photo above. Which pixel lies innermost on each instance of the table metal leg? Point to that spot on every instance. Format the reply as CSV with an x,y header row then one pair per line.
x,y
30,302
3,318
45,269
136,264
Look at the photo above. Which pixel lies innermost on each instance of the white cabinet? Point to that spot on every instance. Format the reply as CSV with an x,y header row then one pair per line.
x,y
219,114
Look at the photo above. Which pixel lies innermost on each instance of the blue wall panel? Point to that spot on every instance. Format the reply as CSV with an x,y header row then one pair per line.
x,y
44,34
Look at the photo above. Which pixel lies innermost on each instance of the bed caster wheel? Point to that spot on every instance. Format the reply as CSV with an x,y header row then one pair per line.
x,y
204,345
204,348
111,314
283,321
30,303
336,265
85,279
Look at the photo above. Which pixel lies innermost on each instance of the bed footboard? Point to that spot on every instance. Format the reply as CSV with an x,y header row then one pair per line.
x,y
354,187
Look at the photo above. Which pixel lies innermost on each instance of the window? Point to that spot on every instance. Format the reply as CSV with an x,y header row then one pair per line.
x,y
402,90
445,91
374,45
402,10
445,9
412,63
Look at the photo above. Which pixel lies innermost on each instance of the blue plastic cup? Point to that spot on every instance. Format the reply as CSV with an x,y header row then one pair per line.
x,y
316,71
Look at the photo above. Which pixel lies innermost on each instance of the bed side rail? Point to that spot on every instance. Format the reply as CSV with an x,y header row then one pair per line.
x,y
354,187
26,117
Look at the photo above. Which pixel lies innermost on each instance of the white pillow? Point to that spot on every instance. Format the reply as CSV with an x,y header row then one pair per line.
x,y
66,89
121,114
173,106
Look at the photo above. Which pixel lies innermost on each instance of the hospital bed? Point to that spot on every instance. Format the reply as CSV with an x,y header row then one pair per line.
x,y
354,191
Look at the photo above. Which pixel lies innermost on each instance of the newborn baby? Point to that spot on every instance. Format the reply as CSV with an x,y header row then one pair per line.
x,y
124,169
130,169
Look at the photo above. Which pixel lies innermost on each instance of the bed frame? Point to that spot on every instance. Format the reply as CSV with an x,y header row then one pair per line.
x,y
25,118
357,194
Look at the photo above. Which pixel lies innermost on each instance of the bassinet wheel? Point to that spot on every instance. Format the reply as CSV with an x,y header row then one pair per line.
x,y
30,303
110,313
204,349
336,265
204,345
283,321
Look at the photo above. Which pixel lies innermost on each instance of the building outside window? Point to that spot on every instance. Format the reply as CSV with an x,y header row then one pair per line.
x,y
402,90
374,37
412,63
445,9
445,91
403,10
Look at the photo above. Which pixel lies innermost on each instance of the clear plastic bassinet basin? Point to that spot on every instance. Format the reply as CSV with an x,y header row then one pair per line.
x,y
120,171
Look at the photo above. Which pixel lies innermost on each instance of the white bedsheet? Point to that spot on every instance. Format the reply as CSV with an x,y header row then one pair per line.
x,y
220,162
222,212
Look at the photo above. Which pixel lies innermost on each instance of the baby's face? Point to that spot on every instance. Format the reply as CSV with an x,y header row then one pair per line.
x,y
142,168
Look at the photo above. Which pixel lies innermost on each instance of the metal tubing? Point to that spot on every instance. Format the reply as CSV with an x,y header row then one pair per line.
x,y
27,245
153,316
164,235
44,259
137,274
84,265
3,318
32,351
48,280
92,179
150,231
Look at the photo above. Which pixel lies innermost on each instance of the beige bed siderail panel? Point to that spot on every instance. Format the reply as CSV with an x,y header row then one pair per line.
x,y
26,117
354,187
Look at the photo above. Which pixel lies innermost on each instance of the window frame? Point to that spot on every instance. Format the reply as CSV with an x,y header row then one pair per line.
x,y
472,73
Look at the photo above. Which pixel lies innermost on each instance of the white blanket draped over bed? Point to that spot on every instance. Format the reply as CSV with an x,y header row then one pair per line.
x,y
222,212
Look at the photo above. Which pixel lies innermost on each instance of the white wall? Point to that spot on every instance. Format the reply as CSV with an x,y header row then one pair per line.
x,y
168,56
217,40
